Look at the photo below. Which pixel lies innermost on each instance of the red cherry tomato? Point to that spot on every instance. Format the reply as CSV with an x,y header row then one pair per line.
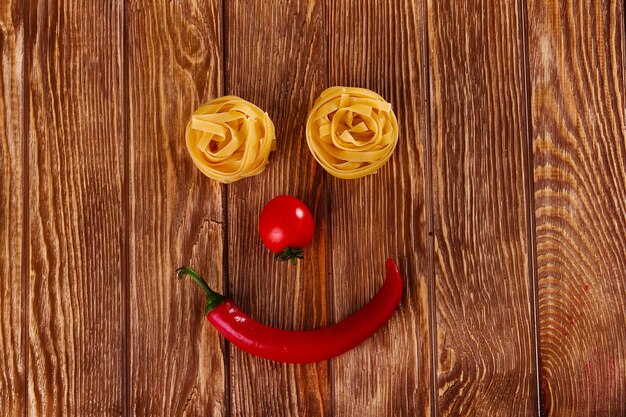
x,y
286,226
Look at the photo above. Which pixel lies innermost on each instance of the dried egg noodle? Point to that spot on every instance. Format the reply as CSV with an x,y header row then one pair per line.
x,y
230,138
351,132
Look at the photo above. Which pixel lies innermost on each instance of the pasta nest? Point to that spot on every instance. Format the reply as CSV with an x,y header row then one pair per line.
x,y
230,138
351,132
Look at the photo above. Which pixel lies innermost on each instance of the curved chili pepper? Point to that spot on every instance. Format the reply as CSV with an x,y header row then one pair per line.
x,y
300,346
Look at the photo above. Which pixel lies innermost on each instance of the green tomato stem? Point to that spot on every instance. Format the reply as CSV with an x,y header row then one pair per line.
x,y
290,254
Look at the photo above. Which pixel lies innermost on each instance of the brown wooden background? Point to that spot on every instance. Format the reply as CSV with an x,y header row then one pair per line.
x,y
504,205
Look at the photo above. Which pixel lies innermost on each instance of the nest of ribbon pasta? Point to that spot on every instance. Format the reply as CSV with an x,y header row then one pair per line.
x,y
230,138
352,132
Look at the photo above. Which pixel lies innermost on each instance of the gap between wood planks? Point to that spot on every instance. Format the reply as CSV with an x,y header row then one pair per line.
x,y
432,293
530,198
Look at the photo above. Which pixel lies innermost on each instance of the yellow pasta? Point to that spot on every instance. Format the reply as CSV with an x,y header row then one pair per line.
x,y
351,132
230,138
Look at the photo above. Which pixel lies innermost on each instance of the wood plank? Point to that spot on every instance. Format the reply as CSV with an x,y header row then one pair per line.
x,y
379,45
276,59
177,361
11,208
576,70
75,197
485,331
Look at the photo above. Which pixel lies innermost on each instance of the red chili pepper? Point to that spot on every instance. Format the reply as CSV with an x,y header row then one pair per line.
x,y
300,346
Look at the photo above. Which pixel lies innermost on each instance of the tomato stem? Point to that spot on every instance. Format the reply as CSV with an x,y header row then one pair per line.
x,y
213,299
290,254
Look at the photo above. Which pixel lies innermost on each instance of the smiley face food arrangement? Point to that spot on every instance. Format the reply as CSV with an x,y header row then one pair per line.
x,y
351,132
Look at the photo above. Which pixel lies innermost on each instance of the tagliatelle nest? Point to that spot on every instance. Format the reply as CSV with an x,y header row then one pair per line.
x,y
230,138
351,132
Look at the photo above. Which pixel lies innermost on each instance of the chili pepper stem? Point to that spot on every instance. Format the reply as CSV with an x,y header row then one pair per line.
x,y
290,254
213,299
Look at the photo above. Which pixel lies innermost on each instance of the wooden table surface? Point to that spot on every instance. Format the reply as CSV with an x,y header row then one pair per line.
x,y
504,205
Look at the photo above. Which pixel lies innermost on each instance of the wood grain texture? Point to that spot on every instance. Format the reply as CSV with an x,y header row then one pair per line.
x,y
177,361
378,45
276,58
11,207
576,63
75,159
101,202
486,361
